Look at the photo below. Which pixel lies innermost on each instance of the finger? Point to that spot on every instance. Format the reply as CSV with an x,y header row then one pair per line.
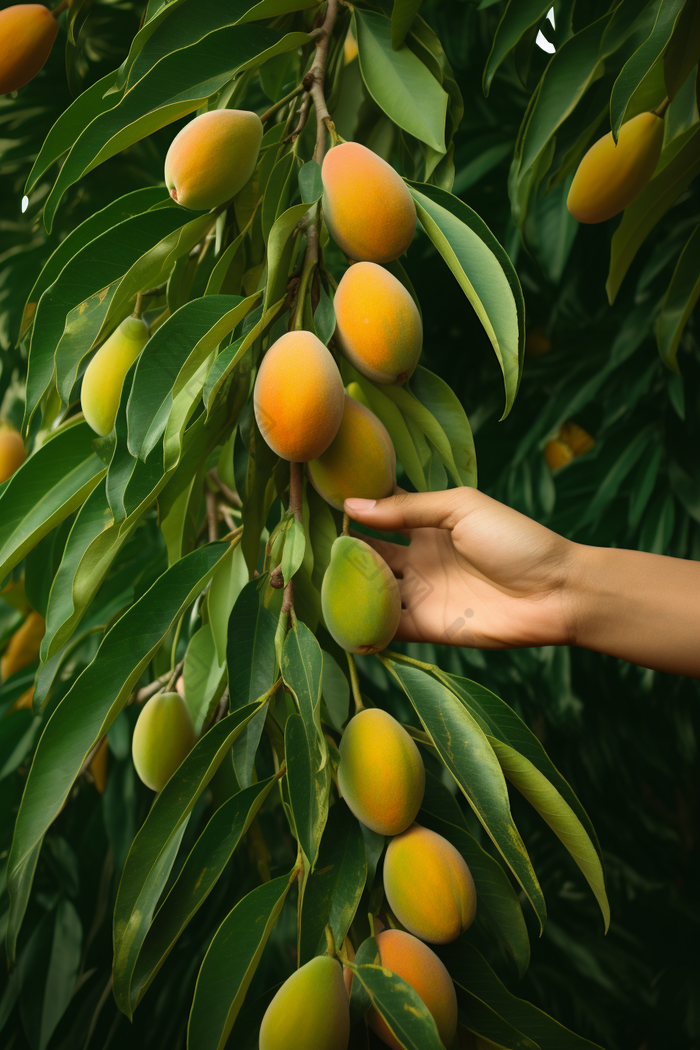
x,y
413,510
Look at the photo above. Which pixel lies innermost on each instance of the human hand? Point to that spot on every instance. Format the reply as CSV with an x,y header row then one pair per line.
x,y
476,573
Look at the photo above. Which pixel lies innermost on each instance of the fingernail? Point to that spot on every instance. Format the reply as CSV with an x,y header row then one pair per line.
x,y
358,506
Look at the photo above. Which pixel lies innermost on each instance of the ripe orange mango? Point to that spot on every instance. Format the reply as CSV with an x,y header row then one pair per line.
x,y
12,451
378,326
310,1010
163,737
420,967
298,397
104,376
27,34
381,774
368,209
429,886
360,460
23,647
610,176
213,157
360,597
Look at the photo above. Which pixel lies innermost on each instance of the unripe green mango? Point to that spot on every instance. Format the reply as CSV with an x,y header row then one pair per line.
x,y
381,774
310,1011
213,157
610,176
360,597
163,737
27,34
429,886
360,460
104,376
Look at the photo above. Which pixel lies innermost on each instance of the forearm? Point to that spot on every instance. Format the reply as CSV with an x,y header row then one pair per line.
x,y
640,607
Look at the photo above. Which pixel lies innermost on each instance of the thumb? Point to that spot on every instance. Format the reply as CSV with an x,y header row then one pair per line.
x,y
414,510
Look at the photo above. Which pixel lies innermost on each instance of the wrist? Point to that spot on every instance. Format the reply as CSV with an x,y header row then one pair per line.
x,y
582,572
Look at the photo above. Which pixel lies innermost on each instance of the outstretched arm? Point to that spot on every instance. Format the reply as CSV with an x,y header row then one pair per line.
x,y
479,574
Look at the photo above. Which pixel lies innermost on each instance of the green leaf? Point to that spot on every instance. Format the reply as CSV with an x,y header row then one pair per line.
x,y
153,853
230,963
678,166
466,752
308,768
89,708
399,83
280,250
473,975
498,905
293,552
336,691
334,890
483,271
403,15
542,794
172,361
48,486
405,1013
518,17
324,317
683,52
277,192
48,971
251,667
638,65
204,677
310,184
679,301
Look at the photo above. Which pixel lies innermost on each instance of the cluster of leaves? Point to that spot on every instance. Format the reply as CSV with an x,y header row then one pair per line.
x,y
141,577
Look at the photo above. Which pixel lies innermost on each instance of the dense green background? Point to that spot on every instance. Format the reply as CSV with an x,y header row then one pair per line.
x,y
625,738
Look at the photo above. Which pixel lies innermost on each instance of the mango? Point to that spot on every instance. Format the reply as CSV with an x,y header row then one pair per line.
x,y
213,157
368,209
360,460
381,774
310,1010
360,597
536,343
163,737
610,176
23,647
429,886
378,327
12,451
98,766
104,376
420,967
557,453
27,34
578,439
298,397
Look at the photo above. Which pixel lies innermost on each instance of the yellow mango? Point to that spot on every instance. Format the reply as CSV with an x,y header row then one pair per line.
x,y
360,597
104,376
610,176
27,34
163,737
310,1011
429,886
360,460
213,157
12,451
379,329
23,647
381,774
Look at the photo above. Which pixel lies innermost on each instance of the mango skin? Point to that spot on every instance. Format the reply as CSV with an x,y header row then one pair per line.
x,y
429,886
163,737
610,176
213,157
368,209
23,647
298,397
360,460
360,597
104,376
420,967
378,327
12,451
381,774
310,1010
27,34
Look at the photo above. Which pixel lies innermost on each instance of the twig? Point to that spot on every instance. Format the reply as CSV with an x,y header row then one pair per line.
x,y
282,102
355,682
223,704
212,515
301,123
229,495
316,76
60,8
